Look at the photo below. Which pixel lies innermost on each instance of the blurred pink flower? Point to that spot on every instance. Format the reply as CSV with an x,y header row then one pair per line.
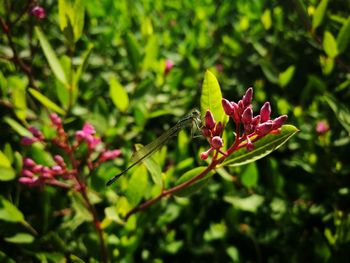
x,y
38,12
168,66
322,127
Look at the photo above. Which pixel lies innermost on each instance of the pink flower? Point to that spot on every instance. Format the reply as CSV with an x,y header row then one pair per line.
x,y
88,128
169,64
109,155
36,133
247,98
38,12
322,127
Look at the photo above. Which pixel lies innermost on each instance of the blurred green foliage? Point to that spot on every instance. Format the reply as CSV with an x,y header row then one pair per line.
x,y
103,62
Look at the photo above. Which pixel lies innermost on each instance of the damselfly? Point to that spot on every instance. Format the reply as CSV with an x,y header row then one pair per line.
x,y
149,149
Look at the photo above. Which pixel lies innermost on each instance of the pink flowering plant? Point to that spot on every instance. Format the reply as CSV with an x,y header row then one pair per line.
x,y
84,150
255,136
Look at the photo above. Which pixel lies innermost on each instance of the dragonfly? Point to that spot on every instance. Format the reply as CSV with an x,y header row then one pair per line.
x,y
188,121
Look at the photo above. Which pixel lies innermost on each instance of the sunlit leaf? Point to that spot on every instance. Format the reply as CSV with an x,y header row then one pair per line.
x,y
78,23
319,14
17,127
137,185
152,166
51,57
250,203
20,238
330,45
262,147
9,212
211,97
285,77
266,19
343,37
18,85
195,186
46,101
7,173
118,94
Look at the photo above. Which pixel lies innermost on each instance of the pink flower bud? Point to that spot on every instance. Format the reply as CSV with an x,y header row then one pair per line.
x,y
27,162
92,141
56,120
38,12
216,142
110,155
322,127
206,132
26,180
168,66
247,115
228,107
265,112
88,129
277,123
209,120
263,128
219,67
56,169
59,160
79,135
204,155
36,133
247,98
37,168
25,141
218,129
27,173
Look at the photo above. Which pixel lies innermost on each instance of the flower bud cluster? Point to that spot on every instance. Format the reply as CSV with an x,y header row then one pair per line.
x,y
34,174
249,128
212,131
242,114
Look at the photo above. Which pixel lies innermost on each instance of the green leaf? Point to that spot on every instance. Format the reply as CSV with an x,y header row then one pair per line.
x,y
250,203
118,94
82,67
319,14
285,77
137,186
9,212
250,176
134,52
63,6
330,45
18,85
17,127
195,186
340,110
152,166
344,36
20,238
7,173
269,70
151,53
51,57
262,147
78,23
266,19
46,101
211,97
